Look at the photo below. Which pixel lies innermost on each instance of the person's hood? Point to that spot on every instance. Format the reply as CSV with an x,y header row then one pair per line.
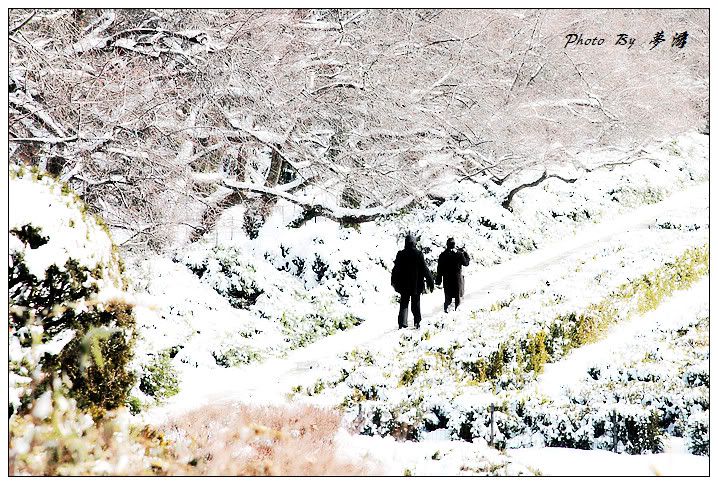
x,y
409,242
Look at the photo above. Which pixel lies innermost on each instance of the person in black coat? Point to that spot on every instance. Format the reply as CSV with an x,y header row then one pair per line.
x,y
449,269
407,278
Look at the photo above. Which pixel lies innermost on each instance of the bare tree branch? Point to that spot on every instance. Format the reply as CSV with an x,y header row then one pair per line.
x,y
22,24
506,203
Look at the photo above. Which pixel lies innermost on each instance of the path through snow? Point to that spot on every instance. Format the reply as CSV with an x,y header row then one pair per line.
x,y
272,380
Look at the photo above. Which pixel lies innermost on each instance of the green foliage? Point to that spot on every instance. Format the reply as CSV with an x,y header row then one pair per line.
x,y
489,369
105,382
67,442
318,388
227,272
302,330
358,355
159,377
501,304
410,374
536,352
63,302
135,405
640,433
679,274
699,436
237,356
587,327
642,294
30,235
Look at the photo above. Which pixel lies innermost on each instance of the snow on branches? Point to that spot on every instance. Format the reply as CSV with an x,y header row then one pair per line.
x,y
372,107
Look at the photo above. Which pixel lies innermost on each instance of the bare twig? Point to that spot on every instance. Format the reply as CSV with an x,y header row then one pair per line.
x,y
22,24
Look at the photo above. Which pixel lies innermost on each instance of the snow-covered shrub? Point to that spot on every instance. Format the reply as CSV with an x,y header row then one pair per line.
x,y
697,375
65,279
159,377
403,420
631,196
639,295
410,374
491,367
698,434
301,330
353,268
208,327
475,210
685,270
638,430
531,421
648,392
673,225
474,422
235,356
228,271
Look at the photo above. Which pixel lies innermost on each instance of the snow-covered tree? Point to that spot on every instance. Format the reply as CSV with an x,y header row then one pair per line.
x,y
161,119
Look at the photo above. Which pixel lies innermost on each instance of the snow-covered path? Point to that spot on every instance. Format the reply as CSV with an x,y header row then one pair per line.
x,y
273,379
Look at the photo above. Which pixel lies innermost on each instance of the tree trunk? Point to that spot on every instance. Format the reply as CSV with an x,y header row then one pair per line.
x,y
275,168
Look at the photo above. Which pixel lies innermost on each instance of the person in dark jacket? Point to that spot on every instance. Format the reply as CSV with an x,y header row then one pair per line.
x,y
449,269
407,278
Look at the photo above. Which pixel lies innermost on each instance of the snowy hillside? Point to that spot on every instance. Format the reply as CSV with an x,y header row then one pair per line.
x,y
306,315
217,219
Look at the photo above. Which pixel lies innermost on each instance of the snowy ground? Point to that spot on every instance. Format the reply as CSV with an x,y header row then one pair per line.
x,y
273,380
577,266
622,339
631,338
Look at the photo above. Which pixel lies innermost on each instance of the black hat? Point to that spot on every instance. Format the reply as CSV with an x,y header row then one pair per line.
x,y
450,243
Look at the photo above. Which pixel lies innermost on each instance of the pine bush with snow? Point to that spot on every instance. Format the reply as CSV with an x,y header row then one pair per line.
x,y
698,434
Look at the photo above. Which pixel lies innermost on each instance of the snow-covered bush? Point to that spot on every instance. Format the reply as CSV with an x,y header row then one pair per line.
x,y
301,330
229,272
159,378
461,355
236,355
227,307
309,314
352,267
65,283
533,421
697,375
698,434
